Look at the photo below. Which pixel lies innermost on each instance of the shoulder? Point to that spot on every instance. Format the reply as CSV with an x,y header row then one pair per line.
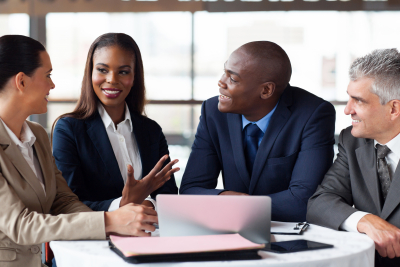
x,y
41,134
145,122
307,106
37,129
304,98
69,121
211,104
348,140
209,108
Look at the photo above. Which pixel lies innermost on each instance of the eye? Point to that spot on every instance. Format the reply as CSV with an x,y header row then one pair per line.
x,y
124,72
49,75
232,80
104,71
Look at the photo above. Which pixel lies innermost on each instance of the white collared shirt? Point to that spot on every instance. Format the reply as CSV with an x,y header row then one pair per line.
x,y
25,145
392,158
124,145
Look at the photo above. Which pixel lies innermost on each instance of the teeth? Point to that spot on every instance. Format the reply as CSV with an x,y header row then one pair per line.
x,y
356,121
224,96
111,92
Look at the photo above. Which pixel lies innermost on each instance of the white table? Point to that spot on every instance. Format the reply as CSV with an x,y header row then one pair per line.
x,y
350,249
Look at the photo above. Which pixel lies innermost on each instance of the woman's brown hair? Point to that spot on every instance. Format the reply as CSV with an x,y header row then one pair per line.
x,y
87,103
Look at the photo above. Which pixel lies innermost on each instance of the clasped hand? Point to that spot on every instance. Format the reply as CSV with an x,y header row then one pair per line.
x,y
385,235
135,191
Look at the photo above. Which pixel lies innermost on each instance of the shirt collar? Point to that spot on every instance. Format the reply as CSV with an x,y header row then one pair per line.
x,y
107,121
261,123
393,145
27,136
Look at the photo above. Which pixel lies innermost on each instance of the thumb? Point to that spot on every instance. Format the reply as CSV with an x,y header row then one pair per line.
x,y
130,173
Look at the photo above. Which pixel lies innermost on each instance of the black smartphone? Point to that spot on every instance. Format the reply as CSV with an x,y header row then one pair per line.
x,y
294,246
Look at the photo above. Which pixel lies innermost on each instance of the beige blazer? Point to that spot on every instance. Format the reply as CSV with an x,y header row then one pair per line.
x,y
28,217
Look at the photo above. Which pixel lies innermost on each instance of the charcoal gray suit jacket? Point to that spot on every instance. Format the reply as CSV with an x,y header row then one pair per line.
x,y
353,180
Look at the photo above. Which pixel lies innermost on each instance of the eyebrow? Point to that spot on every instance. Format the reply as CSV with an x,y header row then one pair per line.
x,y
120,67
49,70
231,72
357,98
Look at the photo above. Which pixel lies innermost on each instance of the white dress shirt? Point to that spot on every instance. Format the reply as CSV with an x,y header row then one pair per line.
x,y
124,145
392,159
25,145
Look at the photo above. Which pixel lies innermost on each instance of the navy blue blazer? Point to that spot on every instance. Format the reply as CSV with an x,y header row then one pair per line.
x,y
292,159
84,155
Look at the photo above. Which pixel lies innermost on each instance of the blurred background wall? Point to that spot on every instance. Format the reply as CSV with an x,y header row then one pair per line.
x,y
184,45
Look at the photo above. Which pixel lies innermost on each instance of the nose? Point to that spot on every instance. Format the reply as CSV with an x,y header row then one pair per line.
x,y
221,84
112,78
52,85
348,110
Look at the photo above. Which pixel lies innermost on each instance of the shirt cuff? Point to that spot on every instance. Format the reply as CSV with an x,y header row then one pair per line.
x,y
115,204
152,202
350,224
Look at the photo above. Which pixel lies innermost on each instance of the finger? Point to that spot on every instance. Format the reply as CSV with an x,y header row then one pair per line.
x,y
130,172
141,233
142,210
166,177
149,211
150,219
158,166
396,248
167,168
148,227
381,250
390,251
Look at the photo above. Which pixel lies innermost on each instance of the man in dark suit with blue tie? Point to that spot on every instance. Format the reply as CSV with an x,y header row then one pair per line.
x,y
265,136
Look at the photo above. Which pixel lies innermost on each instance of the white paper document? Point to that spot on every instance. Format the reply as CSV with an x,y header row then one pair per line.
x,y
284,228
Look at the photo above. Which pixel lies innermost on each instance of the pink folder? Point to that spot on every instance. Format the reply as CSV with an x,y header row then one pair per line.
x,y
132,246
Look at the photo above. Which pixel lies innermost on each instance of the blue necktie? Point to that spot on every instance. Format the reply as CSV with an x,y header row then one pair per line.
x,y
252,134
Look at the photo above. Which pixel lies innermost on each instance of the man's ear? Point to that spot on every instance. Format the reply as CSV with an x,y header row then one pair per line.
x,y
394,109
268,90
20,81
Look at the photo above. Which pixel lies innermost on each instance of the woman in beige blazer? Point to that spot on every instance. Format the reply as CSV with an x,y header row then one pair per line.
x,y
35,201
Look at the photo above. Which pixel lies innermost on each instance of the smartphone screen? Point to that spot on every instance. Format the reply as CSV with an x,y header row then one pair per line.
x,y
295,246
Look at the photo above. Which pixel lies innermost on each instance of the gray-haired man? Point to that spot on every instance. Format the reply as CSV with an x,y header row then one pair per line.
x,y
361,191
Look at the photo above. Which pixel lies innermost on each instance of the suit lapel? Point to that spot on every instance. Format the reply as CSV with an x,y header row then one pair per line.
x,y
142,142
277,122
46,167
366,158
393,197
235,134
19,162
99,137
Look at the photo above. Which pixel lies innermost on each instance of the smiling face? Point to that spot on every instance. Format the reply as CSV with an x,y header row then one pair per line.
x,y
113,76
370,119
240,86
38,86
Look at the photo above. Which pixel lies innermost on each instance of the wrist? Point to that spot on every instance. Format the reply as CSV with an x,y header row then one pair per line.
x,y
364,225
108,222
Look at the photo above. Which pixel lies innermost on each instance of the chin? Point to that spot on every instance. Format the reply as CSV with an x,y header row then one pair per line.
x,y
223,109
357,134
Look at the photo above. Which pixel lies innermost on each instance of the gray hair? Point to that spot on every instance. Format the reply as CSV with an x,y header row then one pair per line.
x,y
383,66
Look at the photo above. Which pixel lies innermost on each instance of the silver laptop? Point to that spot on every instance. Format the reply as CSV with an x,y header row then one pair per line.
x,y
189,215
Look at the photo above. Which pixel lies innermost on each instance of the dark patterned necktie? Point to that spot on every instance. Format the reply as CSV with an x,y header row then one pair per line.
x,y
383,169
252,134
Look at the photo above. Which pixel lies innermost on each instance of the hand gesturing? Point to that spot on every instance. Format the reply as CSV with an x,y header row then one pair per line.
x,y
135,191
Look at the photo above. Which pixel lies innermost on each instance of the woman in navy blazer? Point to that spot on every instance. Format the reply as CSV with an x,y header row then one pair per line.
x,y
81,146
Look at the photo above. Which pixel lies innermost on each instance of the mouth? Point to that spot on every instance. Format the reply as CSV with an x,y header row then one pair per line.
x,y
355,121
223,97
111,92
47,97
